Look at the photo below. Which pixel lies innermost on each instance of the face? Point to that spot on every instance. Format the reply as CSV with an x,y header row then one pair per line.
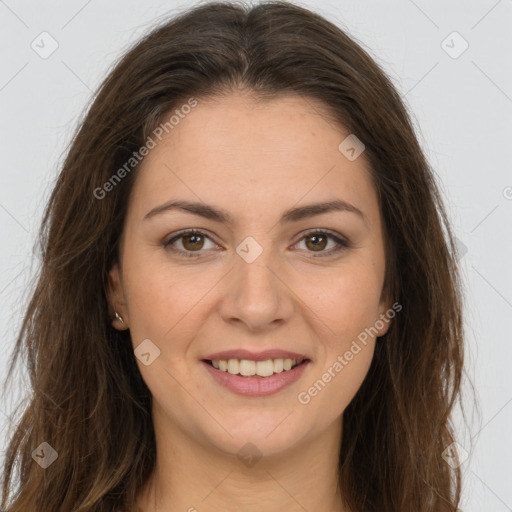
x,y
277,285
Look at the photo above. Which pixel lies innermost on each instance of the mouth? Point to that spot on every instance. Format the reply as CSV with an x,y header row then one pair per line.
x,y
256,378
256,369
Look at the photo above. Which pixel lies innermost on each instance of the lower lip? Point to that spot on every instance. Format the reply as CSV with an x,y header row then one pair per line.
x,y
256,386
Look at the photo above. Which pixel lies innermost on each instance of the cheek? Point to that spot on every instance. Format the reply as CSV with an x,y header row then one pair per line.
x,y
331,388
342,370
348,375
348,308
346,302
160,298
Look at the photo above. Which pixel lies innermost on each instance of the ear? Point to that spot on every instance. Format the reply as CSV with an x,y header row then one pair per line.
x,y
386,313
116,299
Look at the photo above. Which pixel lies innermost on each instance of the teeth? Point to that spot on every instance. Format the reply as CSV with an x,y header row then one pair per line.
x,y
278,365
265,368
249,368
234,366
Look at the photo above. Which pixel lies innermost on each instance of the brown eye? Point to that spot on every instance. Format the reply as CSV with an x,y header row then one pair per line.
x,y
318,242
192,242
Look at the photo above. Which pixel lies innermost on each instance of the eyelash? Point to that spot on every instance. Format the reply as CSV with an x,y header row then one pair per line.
x,y
342,243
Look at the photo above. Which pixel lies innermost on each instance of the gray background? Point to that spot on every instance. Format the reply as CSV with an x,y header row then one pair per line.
x,y
461,105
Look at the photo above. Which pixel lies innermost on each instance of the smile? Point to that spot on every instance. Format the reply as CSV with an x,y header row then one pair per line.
x,y
248,368
244,377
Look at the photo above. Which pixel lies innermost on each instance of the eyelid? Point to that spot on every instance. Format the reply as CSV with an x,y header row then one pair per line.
x,y
341,241
180,234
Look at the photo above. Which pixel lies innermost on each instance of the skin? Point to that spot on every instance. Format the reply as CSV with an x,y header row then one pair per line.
x,y
255,159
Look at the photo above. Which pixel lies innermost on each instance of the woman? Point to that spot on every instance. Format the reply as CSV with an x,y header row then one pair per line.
x,y
248,299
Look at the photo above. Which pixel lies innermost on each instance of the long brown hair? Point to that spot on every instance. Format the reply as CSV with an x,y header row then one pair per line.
x,y
88,400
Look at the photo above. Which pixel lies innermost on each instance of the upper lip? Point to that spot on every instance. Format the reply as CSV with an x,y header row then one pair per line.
x,y
255,356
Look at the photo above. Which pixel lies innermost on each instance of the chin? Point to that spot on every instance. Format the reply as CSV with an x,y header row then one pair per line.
x,y
264,436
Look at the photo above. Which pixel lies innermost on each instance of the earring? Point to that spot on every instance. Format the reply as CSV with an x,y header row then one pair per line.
x,y
119,317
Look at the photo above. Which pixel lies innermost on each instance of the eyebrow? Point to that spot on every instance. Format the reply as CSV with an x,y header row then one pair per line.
x,y
222,216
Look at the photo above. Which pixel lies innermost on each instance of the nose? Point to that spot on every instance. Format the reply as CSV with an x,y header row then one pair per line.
x,y
256,294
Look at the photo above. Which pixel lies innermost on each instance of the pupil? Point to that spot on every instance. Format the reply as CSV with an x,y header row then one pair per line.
x,y
195,239
318,241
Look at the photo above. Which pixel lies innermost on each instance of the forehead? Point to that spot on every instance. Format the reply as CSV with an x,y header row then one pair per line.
x,y
250,152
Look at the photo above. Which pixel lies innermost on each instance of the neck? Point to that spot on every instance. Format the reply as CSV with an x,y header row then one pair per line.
x,y
189,476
